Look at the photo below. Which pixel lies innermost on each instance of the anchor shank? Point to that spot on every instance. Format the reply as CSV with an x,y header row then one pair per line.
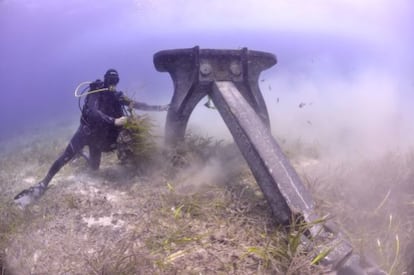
x,y
273,172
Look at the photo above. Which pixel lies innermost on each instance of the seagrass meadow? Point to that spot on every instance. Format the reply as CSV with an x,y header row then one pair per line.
x,y
195,209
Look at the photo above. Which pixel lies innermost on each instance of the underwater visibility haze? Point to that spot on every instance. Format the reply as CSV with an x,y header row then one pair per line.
x,y
341,91
346,57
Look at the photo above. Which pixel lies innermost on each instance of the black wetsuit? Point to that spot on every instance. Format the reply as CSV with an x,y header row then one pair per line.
x,y
97,129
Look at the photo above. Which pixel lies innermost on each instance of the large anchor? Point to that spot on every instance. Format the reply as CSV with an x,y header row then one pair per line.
x,y
230,79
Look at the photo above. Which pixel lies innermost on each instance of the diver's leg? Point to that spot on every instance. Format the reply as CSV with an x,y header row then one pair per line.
x,y
75,146
94,157
29,195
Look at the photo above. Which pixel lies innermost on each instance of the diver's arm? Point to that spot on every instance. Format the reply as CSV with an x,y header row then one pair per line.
x,y
146,107
105,117
93,112
141,105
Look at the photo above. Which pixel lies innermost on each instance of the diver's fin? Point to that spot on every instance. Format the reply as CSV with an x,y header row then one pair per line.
x,y
30,195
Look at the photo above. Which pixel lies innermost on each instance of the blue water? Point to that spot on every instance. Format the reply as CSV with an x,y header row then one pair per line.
x,y
48,47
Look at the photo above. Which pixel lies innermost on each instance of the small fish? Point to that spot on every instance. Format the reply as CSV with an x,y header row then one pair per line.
x,y
277,100
270,88
209,105
302,104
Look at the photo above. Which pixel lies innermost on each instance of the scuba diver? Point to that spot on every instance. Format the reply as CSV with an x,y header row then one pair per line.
x,y
100,124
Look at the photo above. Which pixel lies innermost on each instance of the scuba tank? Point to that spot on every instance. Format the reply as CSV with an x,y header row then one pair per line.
x,y
93,87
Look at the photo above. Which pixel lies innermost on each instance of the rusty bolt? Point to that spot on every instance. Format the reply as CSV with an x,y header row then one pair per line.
x,y
205,69
235,68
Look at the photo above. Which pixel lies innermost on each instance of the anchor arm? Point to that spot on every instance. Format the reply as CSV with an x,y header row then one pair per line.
x,y
193,70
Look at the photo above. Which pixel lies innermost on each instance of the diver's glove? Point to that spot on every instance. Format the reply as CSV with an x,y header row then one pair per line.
x,y
121,121
164,107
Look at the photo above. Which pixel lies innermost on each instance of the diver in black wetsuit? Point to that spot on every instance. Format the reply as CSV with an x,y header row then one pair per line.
x,y
100,124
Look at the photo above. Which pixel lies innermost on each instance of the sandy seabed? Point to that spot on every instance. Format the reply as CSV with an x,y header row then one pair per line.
x,y
207,217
